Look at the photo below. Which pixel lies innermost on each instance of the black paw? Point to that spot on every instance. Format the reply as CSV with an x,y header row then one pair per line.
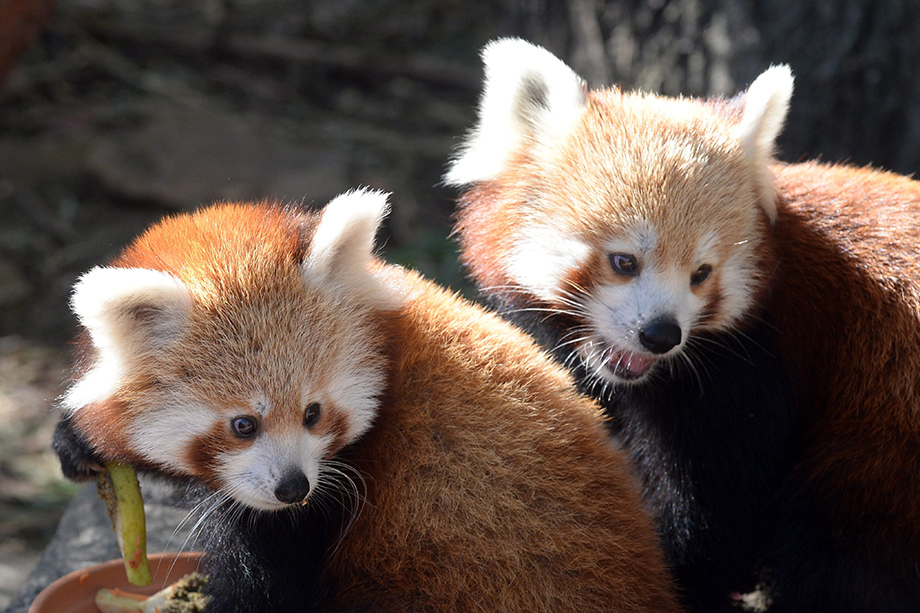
x,y
78,460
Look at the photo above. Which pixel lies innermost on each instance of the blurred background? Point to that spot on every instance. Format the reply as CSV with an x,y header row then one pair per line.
x,y
114,113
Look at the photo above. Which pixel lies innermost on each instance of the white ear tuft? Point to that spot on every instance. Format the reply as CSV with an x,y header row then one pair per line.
x,y
529,95
129,313
765,108
115,303
343,243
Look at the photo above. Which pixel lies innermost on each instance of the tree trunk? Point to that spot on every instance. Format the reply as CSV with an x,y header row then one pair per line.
x,y
856,62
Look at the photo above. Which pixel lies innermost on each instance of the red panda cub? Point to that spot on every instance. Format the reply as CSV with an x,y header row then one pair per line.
x,y
266,354
752,329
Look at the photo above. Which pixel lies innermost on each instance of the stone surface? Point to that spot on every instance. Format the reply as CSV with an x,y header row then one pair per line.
x,y
15,568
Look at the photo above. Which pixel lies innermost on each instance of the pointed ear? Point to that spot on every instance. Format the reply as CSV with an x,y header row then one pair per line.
x,y
530,96
130,310
343,243
765,108
129,314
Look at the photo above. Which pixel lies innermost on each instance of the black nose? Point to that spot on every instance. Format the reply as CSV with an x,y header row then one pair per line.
x,y
294,487
660,336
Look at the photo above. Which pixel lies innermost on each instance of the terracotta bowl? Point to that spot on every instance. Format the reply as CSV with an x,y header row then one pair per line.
x,y
75,593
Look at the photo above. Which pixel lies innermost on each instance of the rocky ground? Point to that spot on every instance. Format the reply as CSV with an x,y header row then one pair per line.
x,y
126,110
32,492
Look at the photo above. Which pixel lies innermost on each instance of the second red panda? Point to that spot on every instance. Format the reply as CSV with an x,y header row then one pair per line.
x,y
265,353
753,329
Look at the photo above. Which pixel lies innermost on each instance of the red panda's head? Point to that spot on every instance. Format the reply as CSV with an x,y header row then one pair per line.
x,y
640,219
237,346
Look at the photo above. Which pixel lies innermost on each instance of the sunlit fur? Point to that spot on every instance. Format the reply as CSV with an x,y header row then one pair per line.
x,y
454,466
529,99
783,439
674,184
201,321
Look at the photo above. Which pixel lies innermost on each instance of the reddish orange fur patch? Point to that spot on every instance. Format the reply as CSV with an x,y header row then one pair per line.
x,y
469,466
846,299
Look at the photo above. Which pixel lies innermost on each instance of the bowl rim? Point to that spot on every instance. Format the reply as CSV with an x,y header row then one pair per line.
x,y
156,561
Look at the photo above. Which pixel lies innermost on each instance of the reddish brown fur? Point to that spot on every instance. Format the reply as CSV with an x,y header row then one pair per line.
x,y
484,460
846,297
201,453
256,227
336,425
111,420
483,219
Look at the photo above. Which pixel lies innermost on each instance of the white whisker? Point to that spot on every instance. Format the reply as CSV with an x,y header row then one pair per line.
x,y
339,483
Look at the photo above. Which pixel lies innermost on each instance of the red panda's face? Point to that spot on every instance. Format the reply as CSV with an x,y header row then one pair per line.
x,y
251,363
635,221
257,394
645,228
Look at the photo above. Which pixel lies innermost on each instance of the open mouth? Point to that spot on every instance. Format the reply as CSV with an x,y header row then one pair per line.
x,y
627,365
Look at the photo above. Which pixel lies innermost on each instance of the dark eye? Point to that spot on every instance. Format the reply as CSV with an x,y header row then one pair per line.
x,y
700,274
244,426
311,414
624,264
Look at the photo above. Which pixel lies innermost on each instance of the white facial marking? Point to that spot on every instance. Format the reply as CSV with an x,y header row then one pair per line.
x,y
261,405
544,257
640,244
163,436
706,249
253,474
618,312
355,390
737,280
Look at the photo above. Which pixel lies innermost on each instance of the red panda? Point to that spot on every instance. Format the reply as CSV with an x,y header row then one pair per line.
x,y
752,328
265,353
